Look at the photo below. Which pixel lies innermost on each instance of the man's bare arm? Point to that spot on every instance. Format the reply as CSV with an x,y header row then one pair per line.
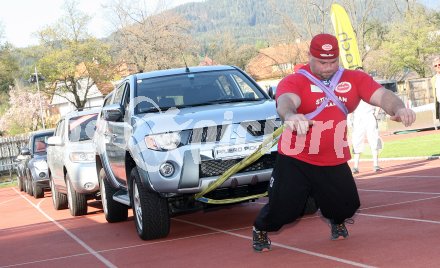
x,y
287,105
393,106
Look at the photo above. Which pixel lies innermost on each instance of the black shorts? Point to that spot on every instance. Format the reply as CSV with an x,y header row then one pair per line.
x,y
292,181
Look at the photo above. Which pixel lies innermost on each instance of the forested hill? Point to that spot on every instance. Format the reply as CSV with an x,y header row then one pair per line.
x,y
246,20
249,21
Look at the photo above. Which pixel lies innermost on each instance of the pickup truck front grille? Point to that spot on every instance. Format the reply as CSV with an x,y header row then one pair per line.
x,y
218,167
261,127
207,134
215,133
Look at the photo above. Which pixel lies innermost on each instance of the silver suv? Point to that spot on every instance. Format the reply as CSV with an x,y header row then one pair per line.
x,y
164,136
71,161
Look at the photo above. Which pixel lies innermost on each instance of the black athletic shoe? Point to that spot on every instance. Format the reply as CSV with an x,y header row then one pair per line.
x,y
339,231
261,242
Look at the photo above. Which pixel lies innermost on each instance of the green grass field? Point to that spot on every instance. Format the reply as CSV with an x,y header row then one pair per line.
x,y
427,145
5,181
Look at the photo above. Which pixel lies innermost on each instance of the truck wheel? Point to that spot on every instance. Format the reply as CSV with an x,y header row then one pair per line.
x,y
29,187
37,191
150,210
20,184
113,211
23,183
77,202
59,200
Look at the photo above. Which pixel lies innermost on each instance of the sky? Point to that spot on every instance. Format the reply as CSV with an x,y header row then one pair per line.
x,y
20,19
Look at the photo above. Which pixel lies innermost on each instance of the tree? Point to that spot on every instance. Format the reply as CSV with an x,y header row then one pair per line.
x,y
22,115
411,42
225,50
150,39
73,58
8,70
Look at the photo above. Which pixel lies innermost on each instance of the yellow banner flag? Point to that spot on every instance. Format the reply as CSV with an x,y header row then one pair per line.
x,y
348,48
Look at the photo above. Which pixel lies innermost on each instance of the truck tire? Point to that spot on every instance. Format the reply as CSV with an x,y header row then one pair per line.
x,y
23,182
29,186
113,211
59,200
37,191
77,202
20,184
150,210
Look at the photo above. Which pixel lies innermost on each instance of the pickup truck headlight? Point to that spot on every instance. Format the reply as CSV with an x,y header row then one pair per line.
x,y
40,165
82,157
164,141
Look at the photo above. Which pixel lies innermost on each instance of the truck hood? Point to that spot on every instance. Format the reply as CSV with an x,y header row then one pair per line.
x,y
209,115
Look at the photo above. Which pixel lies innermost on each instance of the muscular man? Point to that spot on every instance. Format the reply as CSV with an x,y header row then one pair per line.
x,y
313,149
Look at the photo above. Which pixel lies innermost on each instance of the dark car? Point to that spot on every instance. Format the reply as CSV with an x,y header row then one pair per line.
x,y
20,161
35,179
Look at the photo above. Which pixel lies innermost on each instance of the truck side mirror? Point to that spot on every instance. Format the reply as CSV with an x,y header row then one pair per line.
x,y
25,151
272,92
113,113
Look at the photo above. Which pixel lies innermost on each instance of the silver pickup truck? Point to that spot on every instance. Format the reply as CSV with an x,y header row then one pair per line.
x,y
164,136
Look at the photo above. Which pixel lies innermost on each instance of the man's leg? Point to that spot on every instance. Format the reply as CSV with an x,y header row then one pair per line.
x,y
374,141
376,166
356,157
337,196
288,192
357,143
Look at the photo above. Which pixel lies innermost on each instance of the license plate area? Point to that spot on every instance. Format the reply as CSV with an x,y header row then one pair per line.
x,y
235,151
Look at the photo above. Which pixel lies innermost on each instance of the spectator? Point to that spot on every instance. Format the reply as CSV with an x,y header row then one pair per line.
x,y
435,81
365,126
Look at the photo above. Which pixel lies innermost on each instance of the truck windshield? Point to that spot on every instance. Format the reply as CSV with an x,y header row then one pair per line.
x,y
195,89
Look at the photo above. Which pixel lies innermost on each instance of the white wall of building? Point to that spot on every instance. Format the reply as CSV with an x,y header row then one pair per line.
x,y
60,100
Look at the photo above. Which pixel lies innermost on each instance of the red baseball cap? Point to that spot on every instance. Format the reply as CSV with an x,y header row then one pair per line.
x,y
324,46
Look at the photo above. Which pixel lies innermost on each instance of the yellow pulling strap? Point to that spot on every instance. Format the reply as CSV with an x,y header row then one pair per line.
x,y
267,144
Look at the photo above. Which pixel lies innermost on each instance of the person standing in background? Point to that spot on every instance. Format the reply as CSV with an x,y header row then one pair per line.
x,y
435,82
365,125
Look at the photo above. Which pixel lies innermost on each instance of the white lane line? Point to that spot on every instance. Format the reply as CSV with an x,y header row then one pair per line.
x,y
39,203
398,218
74,237
45,260
124,248
398,176
357,264
399,192
9,200
400,203
21,228
119,248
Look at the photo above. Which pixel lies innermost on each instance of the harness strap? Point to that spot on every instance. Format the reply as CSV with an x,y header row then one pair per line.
x,y
328,90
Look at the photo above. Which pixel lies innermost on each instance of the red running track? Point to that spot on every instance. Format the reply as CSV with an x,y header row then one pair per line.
x,y
398,225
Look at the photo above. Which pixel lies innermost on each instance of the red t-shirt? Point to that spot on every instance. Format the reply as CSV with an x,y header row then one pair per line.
x,y
325,144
